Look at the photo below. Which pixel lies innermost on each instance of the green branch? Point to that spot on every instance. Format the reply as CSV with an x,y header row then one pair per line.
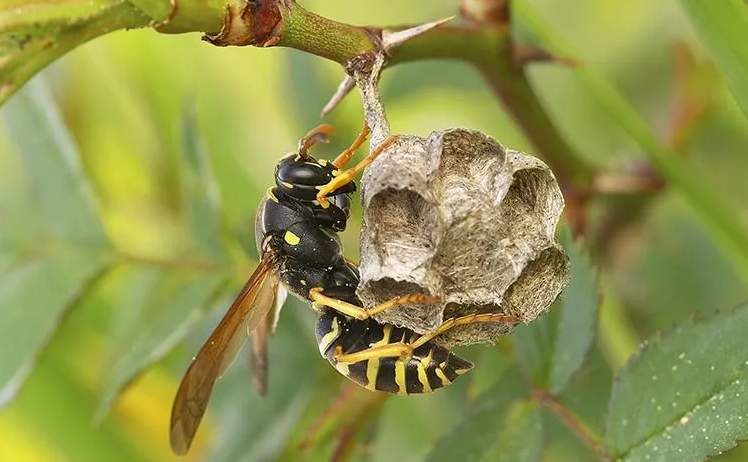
x,y
284,23
32,36
323,37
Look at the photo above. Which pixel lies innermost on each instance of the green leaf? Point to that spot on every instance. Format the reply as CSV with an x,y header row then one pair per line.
x,y
534,346
722,26
173,309
503,415
34,297
254,428
683,396
200,193
43,275
61,208
495,433
132,291
32,35
716,210
555,346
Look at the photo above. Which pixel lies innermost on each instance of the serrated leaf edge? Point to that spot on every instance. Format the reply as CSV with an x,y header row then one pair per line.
x,y
693,320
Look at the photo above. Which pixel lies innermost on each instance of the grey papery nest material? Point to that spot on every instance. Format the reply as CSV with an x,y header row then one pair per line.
x,y
459,216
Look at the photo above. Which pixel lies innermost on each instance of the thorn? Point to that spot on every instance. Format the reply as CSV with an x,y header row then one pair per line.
x,y
390,41
272,41
393,39
524,54
173,8
343,89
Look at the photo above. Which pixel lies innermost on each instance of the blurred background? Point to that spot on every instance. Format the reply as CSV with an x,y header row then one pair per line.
x,y
131,99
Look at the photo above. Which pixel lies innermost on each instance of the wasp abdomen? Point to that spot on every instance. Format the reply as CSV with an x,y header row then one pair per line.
x,y
428,368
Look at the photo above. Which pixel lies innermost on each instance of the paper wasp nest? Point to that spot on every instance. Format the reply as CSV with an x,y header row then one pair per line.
x,y
459,216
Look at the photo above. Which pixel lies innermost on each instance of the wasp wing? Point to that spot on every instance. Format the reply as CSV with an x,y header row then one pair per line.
x,y
258,352
245,314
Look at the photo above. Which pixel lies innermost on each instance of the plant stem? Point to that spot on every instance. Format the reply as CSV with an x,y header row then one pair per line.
x,y
573,422
31,37
489,50
486,47
306,31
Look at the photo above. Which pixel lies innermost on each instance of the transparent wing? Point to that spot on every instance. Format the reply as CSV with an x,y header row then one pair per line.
x,y
258,343
245,314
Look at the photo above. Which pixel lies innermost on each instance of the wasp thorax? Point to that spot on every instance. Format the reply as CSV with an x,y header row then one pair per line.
x,y
459,216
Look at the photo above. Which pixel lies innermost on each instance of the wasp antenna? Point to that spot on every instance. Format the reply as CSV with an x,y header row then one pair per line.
x,y
320,133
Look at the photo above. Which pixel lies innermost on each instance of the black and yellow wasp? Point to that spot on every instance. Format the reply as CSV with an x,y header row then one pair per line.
x,y
296,229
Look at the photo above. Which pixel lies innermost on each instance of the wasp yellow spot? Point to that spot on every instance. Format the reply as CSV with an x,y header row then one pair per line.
x,y
291,238
335,172
272,196
303,282
322,162
287,184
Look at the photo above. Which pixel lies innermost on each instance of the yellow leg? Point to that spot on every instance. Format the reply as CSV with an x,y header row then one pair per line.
x,y
348,176
319,133
397,350
404,350
360,313
491,318
346,155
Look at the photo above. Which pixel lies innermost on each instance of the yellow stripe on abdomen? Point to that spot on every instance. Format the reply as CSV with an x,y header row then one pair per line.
x,y
329,337
442,376
372,365
423,365
402,387
372,368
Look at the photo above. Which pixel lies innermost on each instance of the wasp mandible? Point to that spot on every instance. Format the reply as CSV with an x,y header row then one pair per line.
x,y
297,230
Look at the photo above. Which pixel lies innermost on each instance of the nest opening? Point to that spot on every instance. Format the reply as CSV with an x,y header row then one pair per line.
x,y
458,216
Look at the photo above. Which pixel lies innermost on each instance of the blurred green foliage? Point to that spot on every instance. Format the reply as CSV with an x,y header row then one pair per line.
x,y
129,100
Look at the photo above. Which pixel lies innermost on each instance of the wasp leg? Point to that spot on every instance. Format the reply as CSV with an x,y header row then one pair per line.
x,y
479,318
405,349
319,133
346,155
394,350
348,175
360,313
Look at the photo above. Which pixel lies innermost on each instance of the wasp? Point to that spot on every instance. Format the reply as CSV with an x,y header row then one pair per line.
x,y
297,228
